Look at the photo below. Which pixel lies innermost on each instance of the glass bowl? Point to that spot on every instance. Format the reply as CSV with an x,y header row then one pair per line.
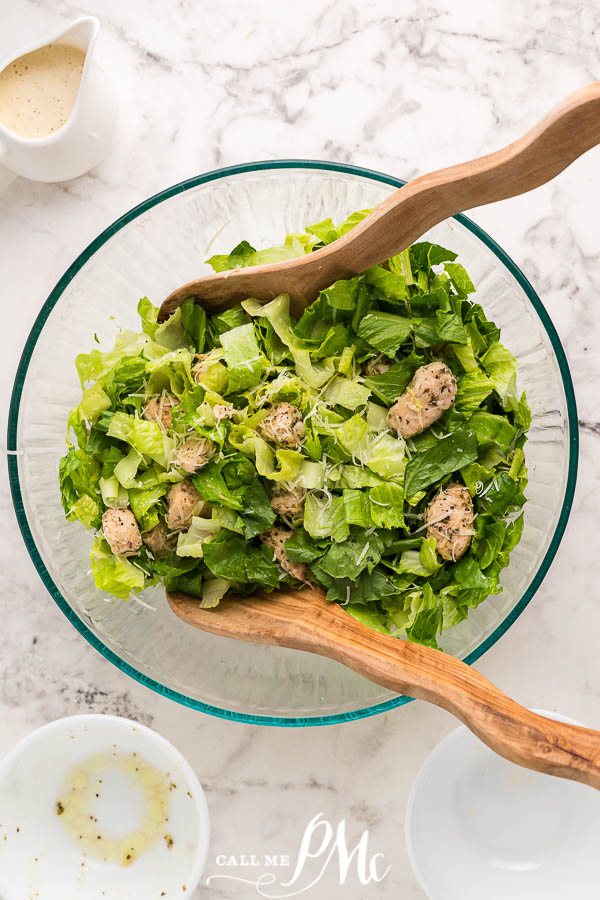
x,y
149,251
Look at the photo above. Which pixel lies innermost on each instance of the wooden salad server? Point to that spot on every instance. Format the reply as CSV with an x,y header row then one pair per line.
x,y
564,134
305,620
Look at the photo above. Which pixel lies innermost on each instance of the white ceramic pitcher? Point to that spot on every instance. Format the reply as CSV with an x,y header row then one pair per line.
x,y
84,138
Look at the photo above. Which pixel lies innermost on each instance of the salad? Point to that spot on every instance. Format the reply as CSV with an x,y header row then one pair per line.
x,y
374,446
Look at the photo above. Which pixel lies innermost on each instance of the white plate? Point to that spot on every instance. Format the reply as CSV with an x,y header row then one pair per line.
x,y
479,826
160,812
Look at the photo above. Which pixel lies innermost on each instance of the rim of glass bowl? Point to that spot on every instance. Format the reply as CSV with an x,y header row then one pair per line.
x,y
22,373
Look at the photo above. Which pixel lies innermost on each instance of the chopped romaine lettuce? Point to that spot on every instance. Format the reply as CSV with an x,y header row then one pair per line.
x,y
340,496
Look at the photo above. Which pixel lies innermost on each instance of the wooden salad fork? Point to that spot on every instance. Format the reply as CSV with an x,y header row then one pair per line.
x,y
305,620
564,134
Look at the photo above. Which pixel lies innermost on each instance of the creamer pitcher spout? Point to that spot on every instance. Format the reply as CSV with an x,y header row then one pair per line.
x,y
81,33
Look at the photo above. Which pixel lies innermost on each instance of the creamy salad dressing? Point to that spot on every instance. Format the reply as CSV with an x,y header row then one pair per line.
x,y
38,90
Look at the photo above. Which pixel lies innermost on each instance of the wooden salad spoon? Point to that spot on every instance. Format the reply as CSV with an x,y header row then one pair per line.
x,y
564,134
305,620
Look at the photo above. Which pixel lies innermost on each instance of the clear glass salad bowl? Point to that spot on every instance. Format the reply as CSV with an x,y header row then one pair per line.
x,y
149,251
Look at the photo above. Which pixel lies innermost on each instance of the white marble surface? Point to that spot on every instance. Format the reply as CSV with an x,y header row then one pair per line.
x,y
399,86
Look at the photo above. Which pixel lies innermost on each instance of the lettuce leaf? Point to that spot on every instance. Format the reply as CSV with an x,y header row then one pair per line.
x,y
325,517
240,562
354,477
171,334
445,327
277,312
491,429
384,331
225,481
422,562
327,232
354,438
114,494
247,441
504,495
387,505
424,255
473,388
391,384
386,457
149,316
193,319
349,558
344,392
301,548
213,591
192,541
240,256
114,574
449,454
311,475
426,625
148,438
79,476
501,367
243,358
376,417
342,294
143,502
368,616
460,279
289,465
244,253
387,284
258,514
357,509
126,469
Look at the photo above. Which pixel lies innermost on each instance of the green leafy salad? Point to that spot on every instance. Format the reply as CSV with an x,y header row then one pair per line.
x,y
374,446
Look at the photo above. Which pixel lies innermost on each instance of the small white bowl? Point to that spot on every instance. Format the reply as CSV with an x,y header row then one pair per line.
x,y
41,853
479,826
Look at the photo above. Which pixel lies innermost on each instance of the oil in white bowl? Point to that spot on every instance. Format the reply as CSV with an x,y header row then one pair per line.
x,y
115,807
38,90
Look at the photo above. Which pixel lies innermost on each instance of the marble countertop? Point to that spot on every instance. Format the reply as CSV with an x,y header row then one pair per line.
x,y
403,87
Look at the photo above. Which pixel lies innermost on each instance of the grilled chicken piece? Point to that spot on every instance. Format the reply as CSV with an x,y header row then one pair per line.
x,y
449,520
276,538
284,425
431,392
122,532
183,501
223,411
194,453
159,409
288,503
159,541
